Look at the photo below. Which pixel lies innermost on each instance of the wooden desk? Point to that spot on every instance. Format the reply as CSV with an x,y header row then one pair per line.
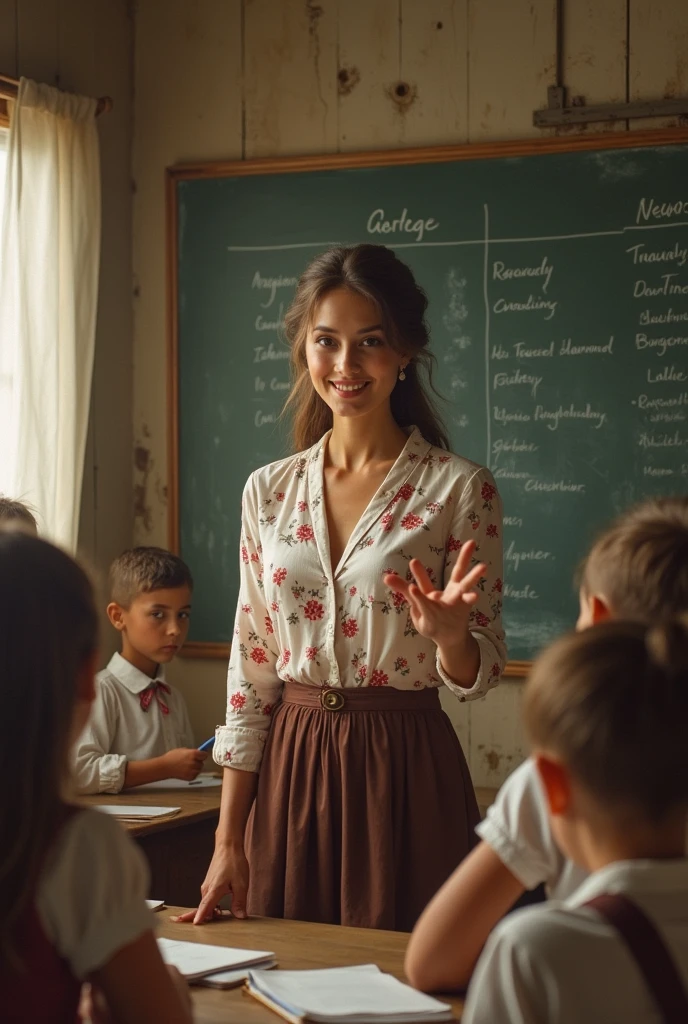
x,y
297,945
178,849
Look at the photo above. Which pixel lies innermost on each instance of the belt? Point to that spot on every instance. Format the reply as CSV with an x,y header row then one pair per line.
x,y
360,698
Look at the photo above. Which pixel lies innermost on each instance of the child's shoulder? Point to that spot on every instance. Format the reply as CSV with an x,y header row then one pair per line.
x,y
92,850
92,831
108,683
522,793
92,890
550,933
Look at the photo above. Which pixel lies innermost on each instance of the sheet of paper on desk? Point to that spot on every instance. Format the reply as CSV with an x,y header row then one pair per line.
x,y
202,781
232,979
196,959
155,904
345,995
133,812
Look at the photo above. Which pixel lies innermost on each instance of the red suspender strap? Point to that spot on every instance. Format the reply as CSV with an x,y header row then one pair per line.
x,y
649,951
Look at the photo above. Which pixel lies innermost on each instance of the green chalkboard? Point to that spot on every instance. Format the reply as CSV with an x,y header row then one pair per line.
x,y
557,275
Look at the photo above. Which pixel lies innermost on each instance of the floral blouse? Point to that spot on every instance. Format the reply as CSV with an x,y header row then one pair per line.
x,y
300,618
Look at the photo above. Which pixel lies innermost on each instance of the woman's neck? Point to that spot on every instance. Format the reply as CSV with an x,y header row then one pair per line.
x,y
355,442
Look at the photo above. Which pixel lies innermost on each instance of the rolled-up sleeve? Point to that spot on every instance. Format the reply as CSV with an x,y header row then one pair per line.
x,y
253,685
96,770
478,517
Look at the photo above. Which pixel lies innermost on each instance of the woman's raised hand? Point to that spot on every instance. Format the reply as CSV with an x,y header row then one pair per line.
x,y
441,615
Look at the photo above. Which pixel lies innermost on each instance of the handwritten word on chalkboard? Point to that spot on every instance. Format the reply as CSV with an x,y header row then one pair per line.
x,y
557,275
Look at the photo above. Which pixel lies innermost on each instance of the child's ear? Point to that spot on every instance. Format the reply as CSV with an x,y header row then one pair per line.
x,y
599,609
555,779
115,614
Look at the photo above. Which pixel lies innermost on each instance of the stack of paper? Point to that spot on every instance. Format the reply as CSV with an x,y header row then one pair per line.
x,y
344,995
196,960
232,979
133,812
202,781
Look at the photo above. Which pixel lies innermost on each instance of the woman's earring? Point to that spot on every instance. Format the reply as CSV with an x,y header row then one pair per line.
x,y
402,374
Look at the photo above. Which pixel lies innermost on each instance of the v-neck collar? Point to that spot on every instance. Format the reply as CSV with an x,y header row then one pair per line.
x,y
411,456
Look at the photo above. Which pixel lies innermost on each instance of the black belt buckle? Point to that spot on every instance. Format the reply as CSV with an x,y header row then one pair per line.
x,y
331,700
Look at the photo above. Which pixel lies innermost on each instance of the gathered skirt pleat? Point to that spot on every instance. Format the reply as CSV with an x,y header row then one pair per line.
x,y
361,813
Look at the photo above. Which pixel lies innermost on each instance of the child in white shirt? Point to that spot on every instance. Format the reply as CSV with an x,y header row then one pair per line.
x,y
637,569
139,730
607,715
72,884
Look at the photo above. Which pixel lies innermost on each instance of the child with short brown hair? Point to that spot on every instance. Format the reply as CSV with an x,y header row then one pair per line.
x,y
637,569
139,731
607,714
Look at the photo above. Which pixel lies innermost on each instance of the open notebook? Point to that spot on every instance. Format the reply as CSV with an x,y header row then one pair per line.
x,y
196,959
344,995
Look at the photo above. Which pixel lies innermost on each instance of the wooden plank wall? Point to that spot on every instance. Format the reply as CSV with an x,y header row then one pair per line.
x,y
88,48
247,78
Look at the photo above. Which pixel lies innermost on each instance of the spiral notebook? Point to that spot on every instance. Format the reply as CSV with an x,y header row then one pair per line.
x,y
344,995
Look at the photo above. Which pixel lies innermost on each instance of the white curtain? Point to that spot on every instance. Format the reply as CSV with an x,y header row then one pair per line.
x,y
49,257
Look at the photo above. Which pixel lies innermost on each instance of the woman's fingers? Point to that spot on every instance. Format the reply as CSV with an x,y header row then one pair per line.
x,y
397,584
425,584
463,561
188,915
470,579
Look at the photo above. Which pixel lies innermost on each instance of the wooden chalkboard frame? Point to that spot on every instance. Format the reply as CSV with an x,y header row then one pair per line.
x,y
336,161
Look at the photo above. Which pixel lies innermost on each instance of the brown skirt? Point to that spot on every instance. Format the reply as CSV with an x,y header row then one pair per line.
x,y
362,811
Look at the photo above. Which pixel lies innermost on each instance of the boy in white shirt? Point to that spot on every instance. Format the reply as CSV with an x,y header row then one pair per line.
x,y
607,714
637,569
139,730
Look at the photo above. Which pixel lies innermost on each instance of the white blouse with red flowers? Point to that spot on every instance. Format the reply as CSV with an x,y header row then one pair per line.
x,y
301,618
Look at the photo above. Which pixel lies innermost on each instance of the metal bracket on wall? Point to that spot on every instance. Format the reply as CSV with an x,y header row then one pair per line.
x,y
557,114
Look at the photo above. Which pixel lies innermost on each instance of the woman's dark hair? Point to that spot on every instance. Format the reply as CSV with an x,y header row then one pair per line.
x,y
374,272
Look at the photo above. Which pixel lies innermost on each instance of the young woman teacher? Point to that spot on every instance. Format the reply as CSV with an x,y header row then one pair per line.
x,y
371,566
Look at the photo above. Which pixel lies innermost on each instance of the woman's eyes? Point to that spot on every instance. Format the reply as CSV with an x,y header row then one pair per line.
x,y
371,342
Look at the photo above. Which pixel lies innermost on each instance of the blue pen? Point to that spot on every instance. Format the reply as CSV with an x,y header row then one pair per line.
x,y
208,744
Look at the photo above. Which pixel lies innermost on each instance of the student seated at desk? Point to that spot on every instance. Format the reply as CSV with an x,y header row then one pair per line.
x,y
72,884
607,714
15,513
637,569
139,730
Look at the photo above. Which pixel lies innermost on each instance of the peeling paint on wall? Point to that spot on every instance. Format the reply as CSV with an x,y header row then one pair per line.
x,y
143,467
347,80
